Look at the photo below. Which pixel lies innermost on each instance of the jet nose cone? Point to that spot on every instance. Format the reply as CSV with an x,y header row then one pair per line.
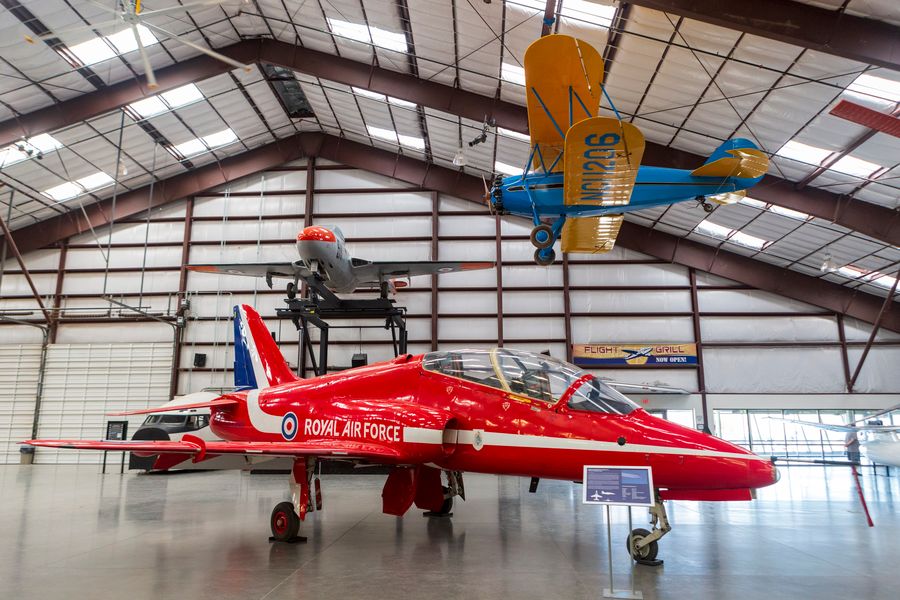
x,y
316,233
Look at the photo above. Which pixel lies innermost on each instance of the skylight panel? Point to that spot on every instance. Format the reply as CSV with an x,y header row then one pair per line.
x,y
803,152
753,202
512,73
220,138
383,98
789,213
411,141
598,15
393,136
383,134
879,88
873,277
748,241
850,165
369,35
182,96
506,169
64,191
95,181
92,51
513,134
727,234
148,107
39,144
190,148
45,142
124,42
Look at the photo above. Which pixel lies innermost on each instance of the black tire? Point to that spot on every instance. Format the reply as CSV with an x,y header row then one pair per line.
x,y
708,207
648,552
284,522
447,506
545,229
292,290
544,261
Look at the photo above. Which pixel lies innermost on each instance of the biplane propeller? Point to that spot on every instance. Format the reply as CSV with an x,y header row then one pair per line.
x,y
584,171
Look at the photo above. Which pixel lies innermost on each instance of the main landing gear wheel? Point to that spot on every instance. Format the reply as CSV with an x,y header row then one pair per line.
x,y
446,507
648,553
708,207
292,290
544,258
542,236
285,524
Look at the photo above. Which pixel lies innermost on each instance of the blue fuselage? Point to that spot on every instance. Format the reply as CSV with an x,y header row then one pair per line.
x,y
655,186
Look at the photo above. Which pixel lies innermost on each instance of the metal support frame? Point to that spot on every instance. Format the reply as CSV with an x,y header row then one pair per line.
x,y
664,246
57,294
870,219
800,24
567,306
321,308
435,224
178,333
15,249
889,300
499,251
698,340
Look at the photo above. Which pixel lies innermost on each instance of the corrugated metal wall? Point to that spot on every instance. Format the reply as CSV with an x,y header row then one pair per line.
x,y
758,348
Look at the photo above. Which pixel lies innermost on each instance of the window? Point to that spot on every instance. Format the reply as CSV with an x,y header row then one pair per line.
x,y
208,142
506,169
471,365
595,396
804,153
393,136
513,134
34,146
154,105
885,91
720,232
383,98
512,73
71,189
172,419
857,167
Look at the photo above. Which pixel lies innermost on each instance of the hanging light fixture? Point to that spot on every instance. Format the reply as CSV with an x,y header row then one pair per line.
x,y
459,159
829,266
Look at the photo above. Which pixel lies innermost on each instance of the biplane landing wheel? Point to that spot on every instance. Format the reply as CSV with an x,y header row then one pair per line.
x,y
708,207
648,552
544,257
285,522
542,236
292,290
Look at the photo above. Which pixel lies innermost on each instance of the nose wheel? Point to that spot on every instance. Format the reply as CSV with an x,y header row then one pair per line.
x,y
643,545
291,290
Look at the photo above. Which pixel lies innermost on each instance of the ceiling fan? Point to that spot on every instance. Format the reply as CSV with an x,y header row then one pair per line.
x,y
129,12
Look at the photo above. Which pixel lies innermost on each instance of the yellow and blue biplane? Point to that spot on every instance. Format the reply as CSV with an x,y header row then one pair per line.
x,y
584,171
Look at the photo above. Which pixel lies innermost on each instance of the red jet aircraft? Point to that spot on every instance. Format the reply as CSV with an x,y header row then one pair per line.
x,y
434,416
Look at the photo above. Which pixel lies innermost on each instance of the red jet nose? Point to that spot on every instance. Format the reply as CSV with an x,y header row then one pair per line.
x,y
316,234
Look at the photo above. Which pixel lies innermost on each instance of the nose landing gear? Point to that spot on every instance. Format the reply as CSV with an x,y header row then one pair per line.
x,y
642,544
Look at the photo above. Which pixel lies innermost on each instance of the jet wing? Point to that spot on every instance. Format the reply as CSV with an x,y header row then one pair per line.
x,y
285,270
196,446
376,272
562,85
842,428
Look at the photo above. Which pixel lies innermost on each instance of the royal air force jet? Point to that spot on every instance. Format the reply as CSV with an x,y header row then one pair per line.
x,y
433,417
325,260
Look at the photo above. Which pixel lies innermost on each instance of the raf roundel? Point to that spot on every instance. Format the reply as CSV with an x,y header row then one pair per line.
x,y
289,426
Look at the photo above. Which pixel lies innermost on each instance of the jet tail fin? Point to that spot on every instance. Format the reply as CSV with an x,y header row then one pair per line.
x,y
737,157
258,363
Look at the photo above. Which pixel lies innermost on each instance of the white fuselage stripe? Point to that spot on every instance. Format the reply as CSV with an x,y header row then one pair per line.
x,y
261,420
513,440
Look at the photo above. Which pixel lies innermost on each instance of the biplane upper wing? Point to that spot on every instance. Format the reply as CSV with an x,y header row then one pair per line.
x,y
563,76
602,158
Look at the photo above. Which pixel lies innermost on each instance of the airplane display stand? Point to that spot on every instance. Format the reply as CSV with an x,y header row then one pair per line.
x,y
322,306
618,486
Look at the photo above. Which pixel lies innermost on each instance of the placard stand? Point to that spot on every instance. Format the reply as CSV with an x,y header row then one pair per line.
x,y
611,591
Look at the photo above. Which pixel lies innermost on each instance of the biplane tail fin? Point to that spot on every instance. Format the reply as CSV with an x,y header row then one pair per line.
x,y
737,157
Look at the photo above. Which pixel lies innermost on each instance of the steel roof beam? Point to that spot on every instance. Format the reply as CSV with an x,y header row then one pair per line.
x,y
864,217
833,32
661,245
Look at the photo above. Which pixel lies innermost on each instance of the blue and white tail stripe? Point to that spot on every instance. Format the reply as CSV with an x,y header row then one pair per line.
x,y
258,362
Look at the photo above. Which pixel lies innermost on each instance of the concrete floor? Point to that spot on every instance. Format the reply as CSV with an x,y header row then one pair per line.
x,y
68,532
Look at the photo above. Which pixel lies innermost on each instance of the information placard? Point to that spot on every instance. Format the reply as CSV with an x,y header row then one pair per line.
x,y
618,486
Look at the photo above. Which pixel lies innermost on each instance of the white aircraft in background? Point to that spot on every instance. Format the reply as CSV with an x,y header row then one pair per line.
x,y
880,442
325,262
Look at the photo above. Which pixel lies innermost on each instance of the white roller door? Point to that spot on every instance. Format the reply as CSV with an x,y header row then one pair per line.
x,y
19,368
83,382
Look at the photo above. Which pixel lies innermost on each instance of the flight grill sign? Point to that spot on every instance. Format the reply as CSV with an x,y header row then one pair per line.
x,y
598,355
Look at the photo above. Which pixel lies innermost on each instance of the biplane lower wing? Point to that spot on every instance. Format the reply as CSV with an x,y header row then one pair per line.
x,y
590,235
